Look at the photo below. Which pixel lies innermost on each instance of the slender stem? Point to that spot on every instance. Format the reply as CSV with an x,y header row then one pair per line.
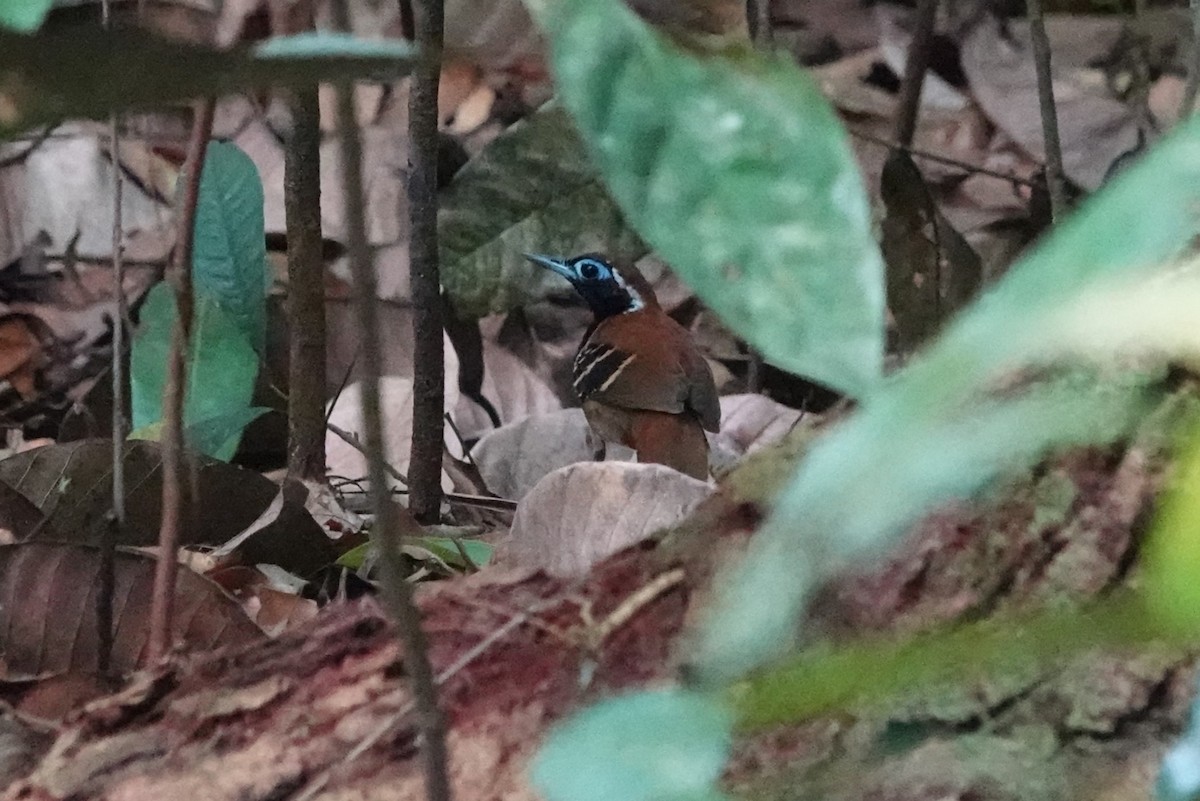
x,y
396,592
758,20
915,66
112,530
425,467
1045,86
925,154
306,290
169,534
1193,79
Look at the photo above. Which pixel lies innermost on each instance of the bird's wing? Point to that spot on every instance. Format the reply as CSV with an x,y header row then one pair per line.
x,y
638,361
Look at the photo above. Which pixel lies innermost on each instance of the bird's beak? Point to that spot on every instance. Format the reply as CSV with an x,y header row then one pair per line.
x,y
557,265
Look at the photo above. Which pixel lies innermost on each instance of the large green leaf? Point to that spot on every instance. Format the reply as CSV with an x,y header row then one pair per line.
x,y
737,171
533,190
862,485
229,257
23,15
89,72
222,367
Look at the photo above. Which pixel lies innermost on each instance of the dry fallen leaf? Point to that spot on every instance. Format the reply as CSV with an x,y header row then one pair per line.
x,y
581,514
512,388
396,400
515,457
752,422
20,354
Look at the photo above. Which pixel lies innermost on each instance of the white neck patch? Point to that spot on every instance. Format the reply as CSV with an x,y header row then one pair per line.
x,y
635,300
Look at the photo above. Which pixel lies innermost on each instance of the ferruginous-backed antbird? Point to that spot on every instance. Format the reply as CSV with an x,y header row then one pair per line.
x,y
640,377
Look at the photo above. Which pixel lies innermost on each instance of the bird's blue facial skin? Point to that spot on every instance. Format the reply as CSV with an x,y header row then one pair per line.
x,y
596,281
590,270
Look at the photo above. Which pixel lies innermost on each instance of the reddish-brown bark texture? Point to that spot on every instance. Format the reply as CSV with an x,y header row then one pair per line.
x,y
269,721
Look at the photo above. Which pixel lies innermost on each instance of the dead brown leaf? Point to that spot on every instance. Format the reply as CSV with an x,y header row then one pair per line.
x,y
48,618
581,514
515,457
511,387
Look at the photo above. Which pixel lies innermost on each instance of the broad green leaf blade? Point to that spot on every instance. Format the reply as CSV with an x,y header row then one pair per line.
x,y
330,44
532,190
616,750
862,485
222,367
229,257
1171,555
23,15
737,171
89,72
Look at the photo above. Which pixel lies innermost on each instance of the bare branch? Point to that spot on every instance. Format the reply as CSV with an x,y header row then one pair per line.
x,y
386,532
915,67
173,394
1045,86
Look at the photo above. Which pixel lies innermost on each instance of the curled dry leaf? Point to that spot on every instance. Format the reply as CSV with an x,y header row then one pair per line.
x,y
515,457
579,515
396,400
48,616
71,484
752,422
1094,127
511,387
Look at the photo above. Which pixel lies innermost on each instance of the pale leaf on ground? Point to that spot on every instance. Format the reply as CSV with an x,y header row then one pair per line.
x,y
515,457
1095,128
512,388
752,422
580,515
396,400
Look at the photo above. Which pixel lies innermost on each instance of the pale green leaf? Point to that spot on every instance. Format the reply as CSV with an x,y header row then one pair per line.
x,y
222,368
735,169
229,257
647,746
24,15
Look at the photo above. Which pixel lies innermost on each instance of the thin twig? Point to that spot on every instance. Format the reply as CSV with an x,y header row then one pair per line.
x,y
429,380
385,533
111,533
169,534
1190,89
1045,86
34,143
925,154
351,439
388,724
758,20
915,66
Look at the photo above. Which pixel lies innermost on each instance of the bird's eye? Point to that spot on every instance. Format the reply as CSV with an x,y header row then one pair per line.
x,y
589,271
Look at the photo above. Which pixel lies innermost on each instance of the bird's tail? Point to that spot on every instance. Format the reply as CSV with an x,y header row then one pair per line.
x,y
676,440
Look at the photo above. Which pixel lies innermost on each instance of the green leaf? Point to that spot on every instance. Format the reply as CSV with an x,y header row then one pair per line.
x,y
229,257
905,451
532,190
616,750
222,368
444,548
24,15
89,72
216,436
329,44
735,169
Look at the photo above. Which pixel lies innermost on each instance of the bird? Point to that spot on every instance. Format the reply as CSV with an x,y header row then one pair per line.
x,y
641,379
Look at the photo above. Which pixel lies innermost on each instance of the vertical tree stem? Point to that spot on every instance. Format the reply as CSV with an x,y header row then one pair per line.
x,y
425,468
758,20
1045,87
385,533
173,393
1188,107
915,66
306,289
111,531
